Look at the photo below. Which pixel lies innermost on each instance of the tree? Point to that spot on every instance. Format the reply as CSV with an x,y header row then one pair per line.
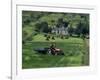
x,y
60,22
42,27
78,29
37,27
82,28
70,30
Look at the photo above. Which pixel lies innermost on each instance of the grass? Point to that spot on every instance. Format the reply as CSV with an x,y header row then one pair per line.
x,y
75,50
41,38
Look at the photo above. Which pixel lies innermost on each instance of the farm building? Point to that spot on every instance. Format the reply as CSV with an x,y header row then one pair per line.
x,y
60,30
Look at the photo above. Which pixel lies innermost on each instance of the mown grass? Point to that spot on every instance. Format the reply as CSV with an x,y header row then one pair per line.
x,y
75,50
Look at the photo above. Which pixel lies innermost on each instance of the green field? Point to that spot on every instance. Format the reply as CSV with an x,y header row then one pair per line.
x,y
76,52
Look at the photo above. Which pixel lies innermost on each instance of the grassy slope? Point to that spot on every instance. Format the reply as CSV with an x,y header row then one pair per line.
x,y
74,49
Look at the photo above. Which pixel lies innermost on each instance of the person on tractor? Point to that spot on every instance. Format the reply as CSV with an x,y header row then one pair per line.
x,y
53,49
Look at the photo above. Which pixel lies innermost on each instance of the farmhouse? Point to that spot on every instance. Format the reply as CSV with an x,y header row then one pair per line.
x,y
60,30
